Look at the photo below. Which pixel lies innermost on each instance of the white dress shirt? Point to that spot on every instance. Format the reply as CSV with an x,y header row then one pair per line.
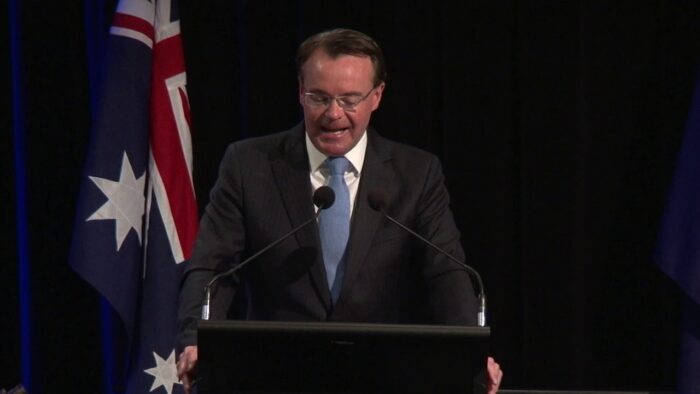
x,y
319,172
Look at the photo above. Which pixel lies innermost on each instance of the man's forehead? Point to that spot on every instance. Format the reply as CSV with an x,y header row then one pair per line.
x,y
320,60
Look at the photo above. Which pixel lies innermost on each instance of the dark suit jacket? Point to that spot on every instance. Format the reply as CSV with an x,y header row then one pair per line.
x,y
263,191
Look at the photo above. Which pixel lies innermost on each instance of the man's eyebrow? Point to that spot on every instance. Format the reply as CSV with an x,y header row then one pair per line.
x,y
324,93
317,91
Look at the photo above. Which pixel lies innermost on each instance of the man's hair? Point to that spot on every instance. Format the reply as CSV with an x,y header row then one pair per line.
x,y
338,42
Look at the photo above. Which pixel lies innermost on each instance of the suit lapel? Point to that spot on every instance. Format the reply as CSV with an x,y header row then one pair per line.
x,y
376,175
291,172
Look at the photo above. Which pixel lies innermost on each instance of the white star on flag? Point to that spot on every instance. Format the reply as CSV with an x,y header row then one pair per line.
x,y
165,373
125,201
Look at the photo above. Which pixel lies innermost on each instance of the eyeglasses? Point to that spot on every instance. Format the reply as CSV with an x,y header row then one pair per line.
x,y
347,103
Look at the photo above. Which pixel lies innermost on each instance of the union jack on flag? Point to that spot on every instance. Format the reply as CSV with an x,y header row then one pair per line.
x,y
136,218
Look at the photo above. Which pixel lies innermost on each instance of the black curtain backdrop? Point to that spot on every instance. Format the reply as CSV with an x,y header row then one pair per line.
x,y
557,122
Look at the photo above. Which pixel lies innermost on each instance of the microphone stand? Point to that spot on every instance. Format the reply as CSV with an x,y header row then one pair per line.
x,y
323,198
481,312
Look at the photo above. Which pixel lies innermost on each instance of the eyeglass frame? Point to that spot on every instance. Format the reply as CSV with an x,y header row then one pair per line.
x,y
328,98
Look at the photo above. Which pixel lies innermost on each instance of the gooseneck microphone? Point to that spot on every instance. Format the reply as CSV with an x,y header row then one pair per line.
x,y
323,198
377,200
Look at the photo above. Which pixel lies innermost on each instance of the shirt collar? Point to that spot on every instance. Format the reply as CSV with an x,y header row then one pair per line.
x,y
356,155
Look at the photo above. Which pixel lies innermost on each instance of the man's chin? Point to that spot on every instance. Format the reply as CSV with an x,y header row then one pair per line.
x,y
336,148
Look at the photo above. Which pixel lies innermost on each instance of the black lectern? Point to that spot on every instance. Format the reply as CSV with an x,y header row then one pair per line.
x,y
293,357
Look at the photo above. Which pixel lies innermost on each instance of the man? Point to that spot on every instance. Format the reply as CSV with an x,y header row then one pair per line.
x,y
365,269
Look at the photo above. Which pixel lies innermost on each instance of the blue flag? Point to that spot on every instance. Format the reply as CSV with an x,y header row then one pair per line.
x,y
678,252
137,215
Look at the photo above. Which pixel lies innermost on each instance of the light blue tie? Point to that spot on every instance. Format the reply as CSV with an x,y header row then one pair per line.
x,y
334,224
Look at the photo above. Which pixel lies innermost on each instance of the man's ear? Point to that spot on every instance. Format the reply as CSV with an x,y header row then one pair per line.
x,y
301,90
377,95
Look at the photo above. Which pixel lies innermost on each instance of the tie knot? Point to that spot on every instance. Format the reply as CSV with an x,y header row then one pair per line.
x,y
338,165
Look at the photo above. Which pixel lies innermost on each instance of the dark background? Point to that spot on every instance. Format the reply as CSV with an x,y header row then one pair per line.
x,y
557,122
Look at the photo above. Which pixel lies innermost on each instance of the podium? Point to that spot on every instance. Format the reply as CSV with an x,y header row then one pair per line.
x,y
324,357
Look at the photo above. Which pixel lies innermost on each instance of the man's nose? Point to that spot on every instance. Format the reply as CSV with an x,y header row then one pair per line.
x,y
334,111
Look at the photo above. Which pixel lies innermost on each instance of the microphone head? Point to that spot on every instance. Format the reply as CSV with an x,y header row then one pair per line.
x,y
324,197
377,199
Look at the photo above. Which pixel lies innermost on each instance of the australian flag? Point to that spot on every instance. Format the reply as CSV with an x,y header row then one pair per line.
x,y
137,214
678,253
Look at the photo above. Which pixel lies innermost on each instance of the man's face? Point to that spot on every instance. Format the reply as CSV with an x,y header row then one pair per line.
x,y
333,130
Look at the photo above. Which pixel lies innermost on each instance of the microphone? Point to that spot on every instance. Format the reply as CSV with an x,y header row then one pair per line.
x,y
323,198
377,201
